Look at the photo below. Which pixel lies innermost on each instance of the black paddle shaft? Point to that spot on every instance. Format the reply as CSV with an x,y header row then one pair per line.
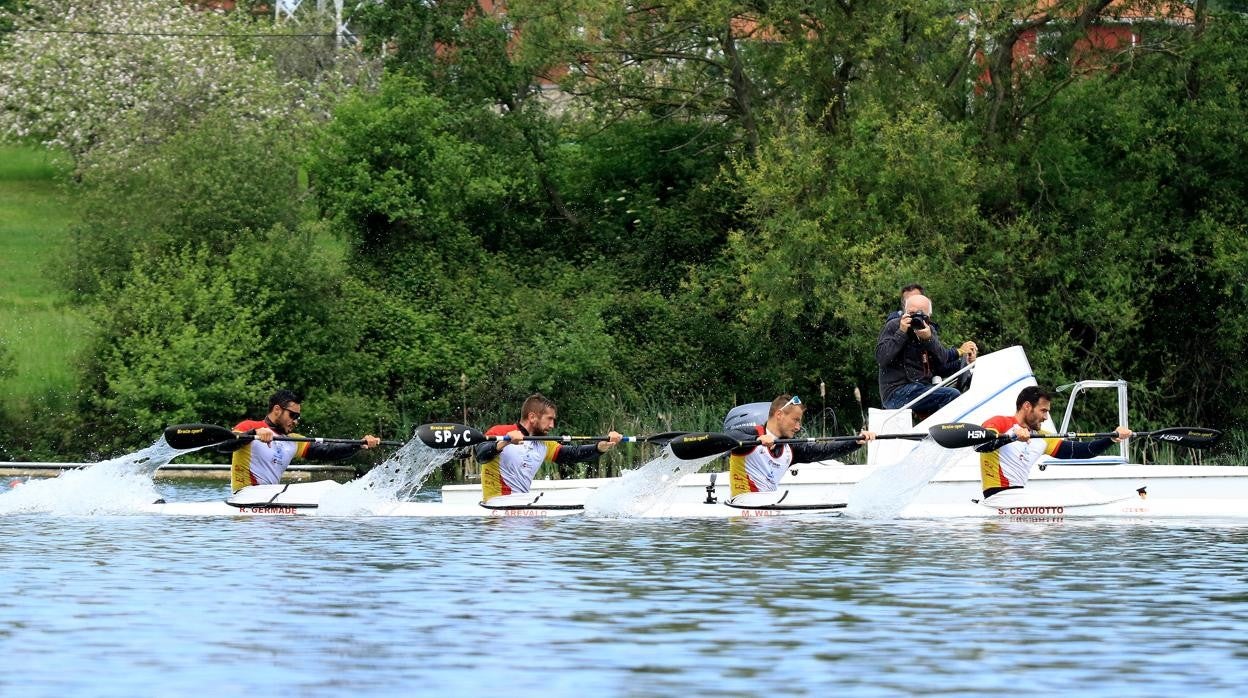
x,y
452,435
192,436
962,434
706,444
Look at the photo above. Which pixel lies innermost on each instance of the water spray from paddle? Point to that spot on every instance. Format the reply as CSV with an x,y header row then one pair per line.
x,y
120,485
889,489
649,488
397,479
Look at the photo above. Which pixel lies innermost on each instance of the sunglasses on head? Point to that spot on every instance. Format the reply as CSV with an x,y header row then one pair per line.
x,y
795,400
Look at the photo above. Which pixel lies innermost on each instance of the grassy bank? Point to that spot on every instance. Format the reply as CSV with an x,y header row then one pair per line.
x,y
41,331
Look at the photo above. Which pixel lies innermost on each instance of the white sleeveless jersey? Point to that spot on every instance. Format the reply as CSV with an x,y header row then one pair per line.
x,y
258,463
759,470
518,463
1010,465
269,461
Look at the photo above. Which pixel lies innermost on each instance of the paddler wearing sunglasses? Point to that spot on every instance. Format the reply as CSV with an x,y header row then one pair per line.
x,y
261,460
758,468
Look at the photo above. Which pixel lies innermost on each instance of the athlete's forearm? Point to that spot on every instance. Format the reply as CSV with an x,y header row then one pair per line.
x,y
1082,449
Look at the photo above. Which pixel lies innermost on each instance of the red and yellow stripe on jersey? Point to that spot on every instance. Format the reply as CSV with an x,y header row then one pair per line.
x,y
1010,465
259,463
757,468
511,471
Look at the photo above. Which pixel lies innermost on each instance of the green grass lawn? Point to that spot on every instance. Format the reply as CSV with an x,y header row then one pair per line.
x,y
40,329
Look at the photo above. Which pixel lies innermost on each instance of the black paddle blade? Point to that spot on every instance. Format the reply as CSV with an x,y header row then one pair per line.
x,y
662,439
1191,437
702,445
961,434
191,436
448,435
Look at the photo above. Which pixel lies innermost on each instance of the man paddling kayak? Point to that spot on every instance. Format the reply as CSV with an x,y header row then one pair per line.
x,y
508,467
261,461
759,468
1005,464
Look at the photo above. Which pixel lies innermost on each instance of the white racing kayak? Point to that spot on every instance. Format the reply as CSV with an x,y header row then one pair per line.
x,y
1115,499
566,501
321,499
325,498
779,503
1061,503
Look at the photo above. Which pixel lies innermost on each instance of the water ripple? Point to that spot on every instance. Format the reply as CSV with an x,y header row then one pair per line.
x,y
137,605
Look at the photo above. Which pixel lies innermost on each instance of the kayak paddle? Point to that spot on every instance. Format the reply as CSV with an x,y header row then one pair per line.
x,y
192,436
961,434
451,435
704,444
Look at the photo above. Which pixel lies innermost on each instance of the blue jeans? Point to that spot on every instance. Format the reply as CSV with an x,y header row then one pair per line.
x,y
936,400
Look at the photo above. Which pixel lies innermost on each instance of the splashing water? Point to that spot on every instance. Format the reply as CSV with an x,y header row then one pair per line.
x,y
890,488
649,488
122,485
397,479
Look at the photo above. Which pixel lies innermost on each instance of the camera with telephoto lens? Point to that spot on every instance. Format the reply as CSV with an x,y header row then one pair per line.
x,y
918,320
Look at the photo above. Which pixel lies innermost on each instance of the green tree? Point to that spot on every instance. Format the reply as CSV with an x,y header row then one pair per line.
x,y
152,67
198,336
200,186
177,343
1137,177
468,56
838,223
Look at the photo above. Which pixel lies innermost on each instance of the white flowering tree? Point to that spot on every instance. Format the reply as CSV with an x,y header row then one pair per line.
x,y
78,74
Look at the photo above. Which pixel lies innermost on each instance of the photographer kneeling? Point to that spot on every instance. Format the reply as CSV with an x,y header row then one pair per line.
x,y
910,354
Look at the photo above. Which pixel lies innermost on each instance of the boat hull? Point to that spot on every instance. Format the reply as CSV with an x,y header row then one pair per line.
x,y
821,490
1187,491
402,509
439,510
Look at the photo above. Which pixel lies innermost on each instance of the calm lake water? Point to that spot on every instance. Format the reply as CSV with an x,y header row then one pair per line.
x,y
150,606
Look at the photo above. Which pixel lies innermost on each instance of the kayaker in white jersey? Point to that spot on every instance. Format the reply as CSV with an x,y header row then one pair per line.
x,y
508,467
759,468
261,460
1005,464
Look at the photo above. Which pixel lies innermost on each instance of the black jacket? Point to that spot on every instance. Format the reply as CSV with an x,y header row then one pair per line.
x,y
904,358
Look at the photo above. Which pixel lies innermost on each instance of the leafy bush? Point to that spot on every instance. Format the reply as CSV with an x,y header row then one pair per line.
x,y
155,67
8,366
199,187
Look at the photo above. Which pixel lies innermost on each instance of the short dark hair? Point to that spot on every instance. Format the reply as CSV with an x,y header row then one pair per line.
x,y
913,287
536,403
282,398
1033,394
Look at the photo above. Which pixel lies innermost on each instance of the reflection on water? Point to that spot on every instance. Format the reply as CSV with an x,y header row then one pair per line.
x,y
139,605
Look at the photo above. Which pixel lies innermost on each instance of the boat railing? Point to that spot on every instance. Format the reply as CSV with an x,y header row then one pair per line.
x,y
1077,388
901,419
998,376
907,409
